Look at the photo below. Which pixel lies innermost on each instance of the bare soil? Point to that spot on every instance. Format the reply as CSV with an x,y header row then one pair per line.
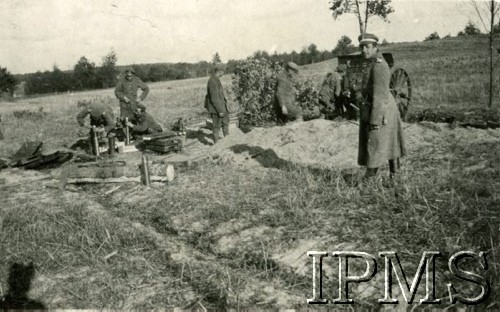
x,y
319,143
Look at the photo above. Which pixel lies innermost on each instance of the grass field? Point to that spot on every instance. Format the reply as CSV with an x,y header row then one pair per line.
x,y
232,234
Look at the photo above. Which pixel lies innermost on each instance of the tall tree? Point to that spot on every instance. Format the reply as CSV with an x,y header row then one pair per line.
x,y
471,29
362,9
58,81
216,58
84,74
488,13
313,51
344,46
7,81
108,72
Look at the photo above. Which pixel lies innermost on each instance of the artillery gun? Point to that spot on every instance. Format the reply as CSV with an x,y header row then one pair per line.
x,y
400,83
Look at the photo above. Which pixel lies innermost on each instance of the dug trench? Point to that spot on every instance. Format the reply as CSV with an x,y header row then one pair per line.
x,y
233,231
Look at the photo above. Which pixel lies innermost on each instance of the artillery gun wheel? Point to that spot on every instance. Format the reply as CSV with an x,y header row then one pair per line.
x,y
400,86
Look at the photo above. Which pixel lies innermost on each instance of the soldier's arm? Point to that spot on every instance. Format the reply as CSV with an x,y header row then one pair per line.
x,y
80,118
380,78
141,125
145,89
324,92
119,92
110,121
215,95
338,85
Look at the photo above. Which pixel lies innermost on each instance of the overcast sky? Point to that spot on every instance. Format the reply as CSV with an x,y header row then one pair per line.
x,y
37,34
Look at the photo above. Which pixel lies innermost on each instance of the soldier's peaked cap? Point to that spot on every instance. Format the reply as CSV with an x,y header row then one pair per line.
x,y
367,38
292,66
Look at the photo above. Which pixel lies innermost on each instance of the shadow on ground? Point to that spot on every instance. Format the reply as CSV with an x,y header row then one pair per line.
x,y
19,281
204,138
266,157
269,159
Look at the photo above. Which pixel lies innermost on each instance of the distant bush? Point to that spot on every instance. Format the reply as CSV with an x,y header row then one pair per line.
x,y
26,114
433,36
102,100
470,30
254,88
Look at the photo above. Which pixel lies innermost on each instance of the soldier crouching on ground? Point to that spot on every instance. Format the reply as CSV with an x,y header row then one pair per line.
x,y
126,92
143,123
101,116
380,130
286,107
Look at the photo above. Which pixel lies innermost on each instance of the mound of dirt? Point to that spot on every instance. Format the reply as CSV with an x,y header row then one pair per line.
x,y
333,144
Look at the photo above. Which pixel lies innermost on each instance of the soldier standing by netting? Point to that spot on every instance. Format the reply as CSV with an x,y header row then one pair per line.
x,y
285,105
380,129
126,92
330,94
216,103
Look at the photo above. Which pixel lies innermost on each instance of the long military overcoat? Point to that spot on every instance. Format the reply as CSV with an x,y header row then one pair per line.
x,y
285,96
378,108
215,101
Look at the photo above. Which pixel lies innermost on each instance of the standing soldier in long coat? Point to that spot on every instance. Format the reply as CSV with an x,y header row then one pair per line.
x,y
216,103
286,107
380,131
126,92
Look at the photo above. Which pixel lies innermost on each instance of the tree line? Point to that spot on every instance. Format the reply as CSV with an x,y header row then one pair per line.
x,y
87,76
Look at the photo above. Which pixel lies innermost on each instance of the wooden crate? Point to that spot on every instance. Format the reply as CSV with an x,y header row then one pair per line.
x,y
165,145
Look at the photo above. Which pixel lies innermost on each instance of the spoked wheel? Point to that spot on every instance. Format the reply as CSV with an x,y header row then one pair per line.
x,y
400,86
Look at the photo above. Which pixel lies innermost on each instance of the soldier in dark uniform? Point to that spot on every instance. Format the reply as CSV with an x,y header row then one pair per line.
x,y
144,123
380,131
126,92
216,104
285,106
101,116
331,95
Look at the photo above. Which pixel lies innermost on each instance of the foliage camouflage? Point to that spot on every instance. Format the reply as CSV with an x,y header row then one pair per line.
x,y
254,88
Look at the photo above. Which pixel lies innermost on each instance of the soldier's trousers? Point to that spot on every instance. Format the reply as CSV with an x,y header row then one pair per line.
x,y
127,110
294,112
217,122
394,164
